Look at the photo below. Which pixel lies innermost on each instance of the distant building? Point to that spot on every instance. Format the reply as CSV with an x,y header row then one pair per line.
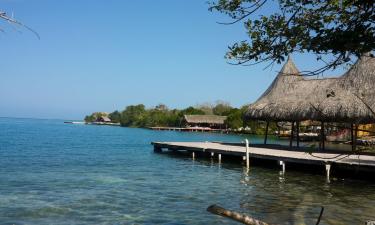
x,y
209,121
103,119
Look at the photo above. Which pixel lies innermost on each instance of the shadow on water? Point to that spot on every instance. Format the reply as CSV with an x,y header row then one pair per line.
x,y
52,173
237,162
295,197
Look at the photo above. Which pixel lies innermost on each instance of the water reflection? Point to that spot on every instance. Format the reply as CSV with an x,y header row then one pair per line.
x,y
52,173
295,198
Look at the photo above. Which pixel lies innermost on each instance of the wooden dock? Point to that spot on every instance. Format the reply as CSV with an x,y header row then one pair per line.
x,y
273,153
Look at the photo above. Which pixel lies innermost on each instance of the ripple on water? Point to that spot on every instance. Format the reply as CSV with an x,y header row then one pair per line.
x,y
53,173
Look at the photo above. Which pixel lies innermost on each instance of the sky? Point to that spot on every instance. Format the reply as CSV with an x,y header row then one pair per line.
x,y
105,55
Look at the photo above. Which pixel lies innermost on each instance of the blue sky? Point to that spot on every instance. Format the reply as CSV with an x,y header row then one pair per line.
x,y
104,55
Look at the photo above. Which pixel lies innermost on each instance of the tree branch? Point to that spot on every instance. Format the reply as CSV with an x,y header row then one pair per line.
x,y
5,17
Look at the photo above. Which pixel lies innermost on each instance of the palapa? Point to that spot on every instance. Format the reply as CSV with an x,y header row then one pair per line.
x,y
292,97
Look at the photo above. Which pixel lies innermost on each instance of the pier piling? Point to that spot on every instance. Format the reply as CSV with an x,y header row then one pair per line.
x,y
328,170
247,154
282,164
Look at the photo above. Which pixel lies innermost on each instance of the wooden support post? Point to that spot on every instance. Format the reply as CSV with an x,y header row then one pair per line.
x,y
247,154
352,136
355,137
291,136
298,124
282,164
193,155
328,170
266,135
212,154
219,157
322,136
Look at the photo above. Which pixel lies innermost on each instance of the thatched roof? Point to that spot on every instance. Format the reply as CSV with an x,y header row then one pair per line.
x,y
206,119
291,97
104,119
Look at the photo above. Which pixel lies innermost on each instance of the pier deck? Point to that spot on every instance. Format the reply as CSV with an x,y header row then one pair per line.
x,y
366,162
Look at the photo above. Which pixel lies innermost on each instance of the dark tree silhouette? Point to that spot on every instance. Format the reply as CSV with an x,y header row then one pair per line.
x,y
4,16
342,28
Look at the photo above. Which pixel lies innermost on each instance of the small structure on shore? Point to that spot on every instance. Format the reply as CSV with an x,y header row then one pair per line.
x,y
103,119
205,121
347,99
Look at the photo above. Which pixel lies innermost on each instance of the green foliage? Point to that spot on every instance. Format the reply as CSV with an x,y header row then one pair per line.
x,y
89,118
115,116
206,108
94,116
342,28
222,109
161,116
134,116
191,111
235,118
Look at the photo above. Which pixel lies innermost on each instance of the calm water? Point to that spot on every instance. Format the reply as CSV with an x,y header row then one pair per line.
x,y
55,173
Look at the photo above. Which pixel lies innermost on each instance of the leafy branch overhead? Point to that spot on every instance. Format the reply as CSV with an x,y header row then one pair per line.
x,y
342,28
4,16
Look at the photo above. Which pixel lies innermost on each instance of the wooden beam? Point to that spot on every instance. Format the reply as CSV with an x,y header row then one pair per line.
x,y
266,136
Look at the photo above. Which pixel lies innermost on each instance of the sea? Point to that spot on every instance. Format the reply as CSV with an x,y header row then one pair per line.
x,y
56,173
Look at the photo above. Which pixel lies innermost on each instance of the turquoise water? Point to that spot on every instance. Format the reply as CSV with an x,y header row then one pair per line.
x,y
56,173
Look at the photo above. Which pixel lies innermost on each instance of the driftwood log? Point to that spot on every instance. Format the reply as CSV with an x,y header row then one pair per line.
x,y
215,209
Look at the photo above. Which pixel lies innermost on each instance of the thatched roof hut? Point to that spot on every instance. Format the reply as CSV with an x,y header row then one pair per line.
x,y
205,119
104,119
268,105
291,97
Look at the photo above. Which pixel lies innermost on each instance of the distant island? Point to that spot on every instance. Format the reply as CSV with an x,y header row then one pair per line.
x,y
161,116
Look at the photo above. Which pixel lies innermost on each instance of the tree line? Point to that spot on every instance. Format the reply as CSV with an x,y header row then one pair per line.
x,y
162,116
